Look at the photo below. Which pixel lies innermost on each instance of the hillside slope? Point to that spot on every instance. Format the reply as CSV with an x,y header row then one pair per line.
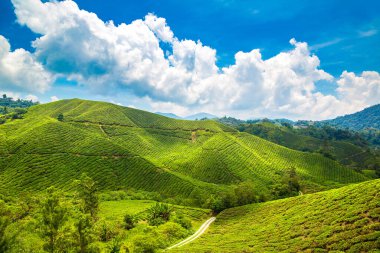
x,y
123,147
345,219
350,152
367,118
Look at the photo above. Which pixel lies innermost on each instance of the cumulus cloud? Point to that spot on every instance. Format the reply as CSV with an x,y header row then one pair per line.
x,y
362,90
19,71
54,98
32,98
108,57
159,27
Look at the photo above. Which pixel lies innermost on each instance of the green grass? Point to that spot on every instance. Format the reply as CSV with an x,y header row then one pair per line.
x,y
114,211
122,147
339,220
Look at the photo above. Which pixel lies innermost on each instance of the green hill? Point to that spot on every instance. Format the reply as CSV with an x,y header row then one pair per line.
x,y
345,146
341,220
122,147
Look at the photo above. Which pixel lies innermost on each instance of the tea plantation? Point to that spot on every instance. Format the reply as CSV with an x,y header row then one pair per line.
x,y
340,220
127,148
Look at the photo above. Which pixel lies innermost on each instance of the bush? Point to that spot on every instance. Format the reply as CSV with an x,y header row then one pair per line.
x,y
183,221
60,117
245,194
106,232
145,244
289,186
172,231
215,203
130,221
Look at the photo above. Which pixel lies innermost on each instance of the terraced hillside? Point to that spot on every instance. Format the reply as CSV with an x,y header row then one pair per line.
x,y
346,152
123,147
340,220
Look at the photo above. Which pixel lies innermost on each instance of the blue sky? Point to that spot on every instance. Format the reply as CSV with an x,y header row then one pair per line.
x,y
344,35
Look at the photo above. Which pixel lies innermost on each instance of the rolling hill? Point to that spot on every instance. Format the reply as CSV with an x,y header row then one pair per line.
x,y
123,147
340,220
353,152
367,118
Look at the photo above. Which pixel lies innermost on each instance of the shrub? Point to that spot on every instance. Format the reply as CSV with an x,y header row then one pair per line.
x,y
183,221
130,221
106,232
145,244
60,117
159,214
172,231
245,194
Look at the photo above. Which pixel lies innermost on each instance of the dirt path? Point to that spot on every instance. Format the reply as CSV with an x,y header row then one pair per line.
x,y
197,234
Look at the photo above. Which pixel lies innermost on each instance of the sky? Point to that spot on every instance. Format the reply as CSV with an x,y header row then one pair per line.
x,y
247,59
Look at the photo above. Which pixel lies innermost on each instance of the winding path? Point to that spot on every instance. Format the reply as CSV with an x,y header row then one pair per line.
x,y
197,234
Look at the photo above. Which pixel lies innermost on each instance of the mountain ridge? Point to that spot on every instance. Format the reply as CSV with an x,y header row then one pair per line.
x,y
366,118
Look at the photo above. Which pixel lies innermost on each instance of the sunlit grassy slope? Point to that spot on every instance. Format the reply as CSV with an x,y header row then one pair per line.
x,y
123,147
344,151
342,220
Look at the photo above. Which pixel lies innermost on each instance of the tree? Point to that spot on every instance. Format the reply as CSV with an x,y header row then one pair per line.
x,y
54,216
84,232
289,185
159,214
215,203
287,125
60,117
245,193
88,192
4,96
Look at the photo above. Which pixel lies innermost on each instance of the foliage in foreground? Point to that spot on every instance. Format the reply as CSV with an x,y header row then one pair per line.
x,y
54,222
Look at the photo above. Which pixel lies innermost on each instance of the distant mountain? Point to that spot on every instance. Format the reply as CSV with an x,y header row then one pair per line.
x,y
367,118
201,115
169,115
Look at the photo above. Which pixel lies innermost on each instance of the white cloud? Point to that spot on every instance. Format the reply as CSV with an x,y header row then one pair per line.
x,y
359,91
19,71
54,98
108,57
159,27
32,97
